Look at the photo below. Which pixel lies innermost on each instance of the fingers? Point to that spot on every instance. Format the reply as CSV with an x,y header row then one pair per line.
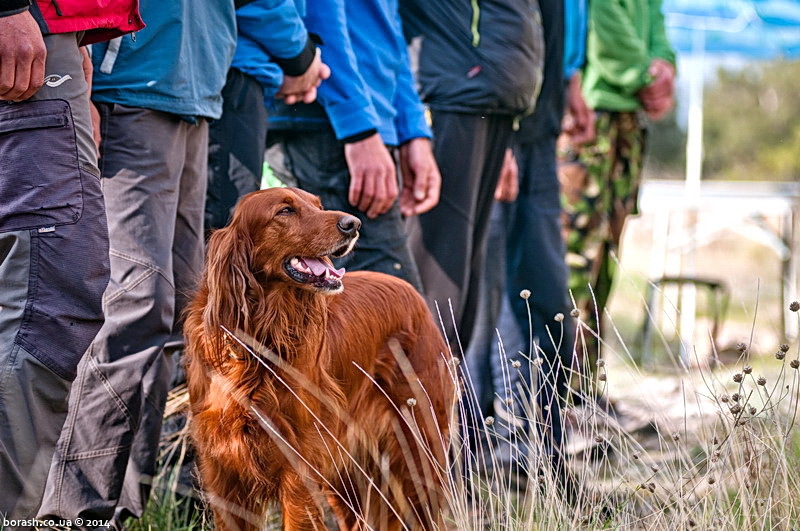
x,y
22,57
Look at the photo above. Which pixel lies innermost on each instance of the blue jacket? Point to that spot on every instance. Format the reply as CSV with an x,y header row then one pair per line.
x,y
371,86
177,64
272,39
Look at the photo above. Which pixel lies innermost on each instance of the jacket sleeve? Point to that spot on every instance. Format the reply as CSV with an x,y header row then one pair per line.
x,y
410,121
621,56
344,95
276,27
659,43
13,7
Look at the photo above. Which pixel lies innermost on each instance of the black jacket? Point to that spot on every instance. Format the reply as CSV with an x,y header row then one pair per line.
x,y
482,56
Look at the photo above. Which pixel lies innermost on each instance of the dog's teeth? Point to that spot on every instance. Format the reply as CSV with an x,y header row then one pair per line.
x,y
294,262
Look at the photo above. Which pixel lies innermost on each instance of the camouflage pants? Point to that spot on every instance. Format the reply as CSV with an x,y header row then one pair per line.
x,y
600,186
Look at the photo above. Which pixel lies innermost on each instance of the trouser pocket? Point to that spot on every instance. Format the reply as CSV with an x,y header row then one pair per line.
x,y
46,192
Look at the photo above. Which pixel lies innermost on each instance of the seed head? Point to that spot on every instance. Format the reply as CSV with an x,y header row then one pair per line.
x,y
711,480
411,402
736,409
784,348
761,381
455,361
724,398
715,440
741,422
741,347
558,317
602,377
780,355
795,364
747,369
738,377
575,312
651,486
753,410
676,436
654,467
488,421
538,361
636,455
601,363
599,439
794,306
691,523
735,397
525,294
516,364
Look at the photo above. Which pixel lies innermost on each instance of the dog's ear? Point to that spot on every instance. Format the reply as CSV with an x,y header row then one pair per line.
x,y
229,278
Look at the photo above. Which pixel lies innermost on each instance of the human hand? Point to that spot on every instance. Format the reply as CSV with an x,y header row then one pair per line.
x,y
373,179
22,57
422,182
508,186
657,97
304,87
579,119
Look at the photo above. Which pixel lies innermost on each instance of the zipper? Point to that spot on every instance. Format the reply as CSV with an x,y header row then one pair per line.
x,y
476,16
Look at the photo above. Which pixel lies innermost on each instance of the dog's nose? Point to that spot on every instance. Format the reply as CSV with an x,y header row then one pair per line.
x,y
349,225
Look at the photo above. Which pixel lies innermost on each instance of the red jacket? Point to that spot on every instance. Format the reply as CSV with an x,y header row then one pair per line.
x,y
100,19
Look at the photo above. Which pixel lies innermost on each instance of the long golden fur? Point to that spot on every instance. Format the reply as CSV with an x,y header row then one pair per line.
x,y
327,392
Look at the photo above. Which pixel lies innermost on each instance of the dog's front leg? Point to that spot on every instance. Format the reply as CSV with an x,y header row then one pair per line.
x,y
301,502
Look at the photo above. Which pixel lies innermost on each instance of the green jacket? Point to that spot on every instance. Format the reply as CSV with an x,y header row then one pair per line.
x,y
624,37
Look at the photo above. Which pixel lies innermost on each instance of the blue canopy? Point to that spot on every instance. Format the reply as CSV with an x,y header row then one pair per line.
x,y
760,29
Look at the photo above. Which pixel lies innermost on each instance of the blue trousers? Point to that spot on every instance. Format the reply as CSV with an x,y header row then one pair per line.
x,y
527,253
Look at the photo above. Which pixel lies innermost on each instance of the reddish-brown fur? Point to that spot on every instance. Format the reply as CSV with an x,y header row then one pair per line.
x,y
312,387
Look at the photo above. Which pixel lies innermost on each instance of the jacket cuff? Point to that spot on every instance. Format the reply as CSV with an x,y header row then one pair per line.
x,y
297,65
359,136
13,7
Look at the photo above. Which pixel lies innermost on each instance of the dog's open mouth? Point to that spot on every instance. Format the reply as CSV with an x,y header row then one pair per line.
x,y
317,272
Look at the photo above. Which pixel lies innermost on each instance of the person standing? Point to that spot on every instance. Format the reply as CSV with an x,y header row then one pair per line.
x,y
345,148
629,75
480,68
275,56
53,234
156,94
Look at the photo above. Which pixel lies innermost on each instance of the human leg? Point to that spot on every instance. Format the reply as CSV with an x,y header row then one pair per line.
x,y
236,147
596,202
143,154
449,241
53,269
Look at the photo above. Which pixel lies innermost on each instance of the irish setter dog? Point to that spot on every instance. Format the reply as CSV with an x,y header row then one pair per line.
x,y
309,387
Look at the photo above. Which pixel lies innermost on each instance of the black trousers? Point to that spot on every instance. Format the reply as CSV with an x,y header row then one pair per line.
x,y
449,242
236,148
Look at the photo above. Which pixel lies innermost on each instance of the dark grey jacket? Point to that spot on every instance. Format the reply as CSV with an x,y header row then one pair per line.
x,y
481,56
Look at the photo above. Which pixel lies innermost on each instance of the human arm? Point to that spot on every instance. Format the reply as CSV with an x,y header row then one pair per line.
x,y
276,29
346,100
22,53
579,119
615,49
657,96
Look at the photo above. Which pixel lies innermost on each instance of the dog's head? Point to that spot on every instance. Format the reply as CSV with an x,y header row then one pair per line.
x,y
289,238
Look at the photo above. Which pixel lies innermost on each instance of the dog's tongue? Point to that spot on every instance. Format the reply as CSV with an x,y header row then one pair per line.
x,y
318,267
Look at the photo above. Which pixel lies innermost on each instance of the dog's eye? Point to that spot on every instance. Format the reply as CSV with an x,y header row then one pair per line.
x,y
286,210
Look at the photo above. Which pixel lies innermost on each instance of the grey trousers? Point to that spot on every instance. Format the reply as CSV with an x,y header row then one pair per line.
x,y
154,180
53,268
